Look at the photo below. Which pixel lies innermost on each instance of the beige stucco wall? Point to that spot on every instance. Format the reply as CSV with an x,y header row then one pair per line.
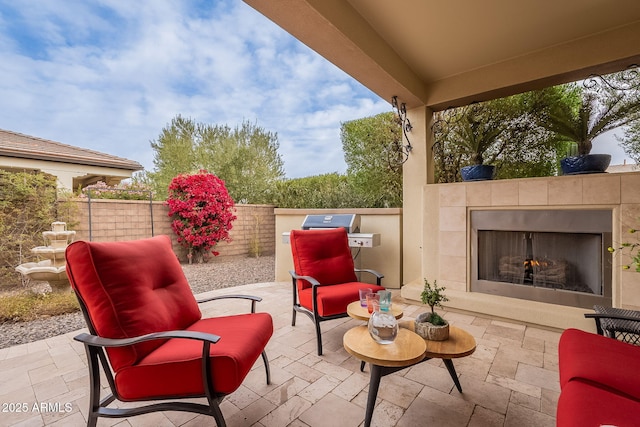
x,y
446,238
416,173
66,173
386,258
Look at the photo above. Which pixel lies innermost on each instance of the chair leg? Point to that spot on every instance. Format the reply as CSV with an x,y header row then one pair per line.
x,y
266,366
92,421
318,337
217,414
94,381
293,318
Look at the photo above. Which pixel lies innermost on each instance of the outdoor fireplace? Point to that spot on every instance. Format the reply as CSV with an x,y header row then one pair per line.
x,y
552,256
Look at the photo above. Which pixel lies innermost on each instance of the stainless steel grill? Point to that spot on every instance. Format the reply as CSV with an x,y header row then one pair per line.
x,y
349,221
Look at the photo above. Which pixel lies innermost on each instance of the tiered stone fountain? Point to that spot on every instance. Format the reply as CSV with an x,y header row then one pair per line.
x,y
53,268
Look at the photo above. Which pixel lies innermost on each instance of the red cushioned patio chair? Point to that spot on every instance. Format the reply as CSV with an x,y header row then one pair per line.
x,y
325,280
140,309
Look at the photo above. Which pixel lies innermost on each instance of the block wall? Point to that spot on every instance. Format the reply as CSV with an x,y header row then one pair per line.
x,y
100,220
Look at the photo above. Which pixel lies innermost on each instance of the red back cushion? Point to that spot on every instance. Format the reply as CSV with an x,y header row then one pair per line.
x,y
322,254
599,360
131,288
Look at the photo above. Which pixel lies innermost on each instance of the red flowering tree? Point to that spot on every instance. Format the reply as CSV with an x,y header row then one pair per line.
x,y
201,211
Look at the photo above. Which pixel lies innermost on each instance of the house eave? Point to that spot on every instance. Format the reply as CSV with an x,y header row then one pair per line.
x,y
126,165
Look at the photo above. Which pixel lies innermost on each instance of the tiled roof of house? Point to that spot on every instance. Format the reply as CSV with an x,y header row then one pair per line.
x,y
14,144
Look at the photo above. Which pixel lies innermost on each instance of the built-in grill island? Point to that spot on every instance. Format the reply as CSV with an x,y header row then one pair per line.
x,y
552,256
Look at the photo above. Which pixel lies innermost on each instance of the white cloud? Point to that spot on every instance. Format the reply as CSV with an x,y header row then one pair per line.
x,y
110,75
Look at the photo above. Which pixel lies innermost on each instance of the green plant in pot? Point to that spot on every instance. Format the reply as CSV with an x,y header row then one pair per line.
x,y
578,115
479,133
431,325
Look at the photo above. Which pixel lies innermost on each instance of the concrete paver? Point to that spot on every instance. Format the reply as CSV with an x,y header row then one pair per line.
x,y
512,379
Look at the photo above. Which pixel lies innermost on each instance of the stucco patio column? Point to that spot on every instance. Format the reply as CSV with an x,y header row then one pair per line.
x,y
417,172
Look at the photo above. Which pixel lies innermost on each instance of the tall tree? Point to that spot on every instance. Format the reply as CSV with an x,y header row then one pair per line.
x,y
174,154
630,141
365,143
245,157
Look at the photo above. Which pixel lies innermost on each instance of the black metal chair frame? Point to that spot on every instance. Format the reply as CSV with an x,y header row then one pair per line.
x,y
616,323
315,317
95,350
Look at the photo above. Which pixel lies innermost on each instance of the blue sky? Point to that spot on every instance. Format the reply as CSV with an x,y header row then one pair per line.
x,y
108,75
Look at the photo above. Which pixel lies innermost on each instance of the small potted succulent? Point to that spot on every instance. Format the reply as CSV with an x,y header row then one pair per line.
x,y
431,325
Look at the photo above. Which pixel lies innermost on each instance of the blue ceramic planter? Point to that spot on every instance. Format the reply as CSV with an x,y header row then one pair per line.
x,y
477,172
590,163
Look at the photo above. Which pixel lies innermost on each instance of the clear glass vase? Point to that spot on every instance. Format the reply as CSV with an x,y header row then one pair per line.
x,y
383,326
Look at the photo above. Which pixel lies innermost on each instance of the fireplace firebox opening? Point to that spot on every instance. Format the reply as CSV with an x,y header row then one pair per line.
x,y
552,256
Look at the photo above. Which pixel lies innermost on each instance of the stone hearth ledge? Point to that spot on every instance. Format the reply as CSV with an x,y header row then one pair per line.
x,y
512,309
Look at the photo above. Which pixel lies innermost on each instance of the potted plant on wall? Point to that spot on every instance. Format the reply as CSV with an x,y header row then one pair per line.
x,y
431,325
577,115
475,136
478,133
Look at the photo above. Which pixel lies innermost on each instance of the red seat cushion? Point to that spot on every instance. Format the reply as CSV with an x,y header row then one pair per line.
x,y
322,254
131,288
174,368
586,405
334,299
601,360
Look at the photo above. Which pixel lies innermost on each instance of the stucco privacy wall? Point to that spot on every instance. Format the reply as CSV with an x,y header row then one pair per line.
x,y
386,258
113,220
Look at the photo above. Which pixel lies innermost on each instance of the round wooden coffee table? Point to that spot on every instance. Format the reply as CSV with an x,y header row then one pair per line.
x,y
460,344
358,312
408,349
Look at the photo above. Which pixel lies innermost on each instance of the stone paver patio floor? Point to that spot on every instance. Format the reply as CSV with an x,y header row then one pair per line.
x,y
510,380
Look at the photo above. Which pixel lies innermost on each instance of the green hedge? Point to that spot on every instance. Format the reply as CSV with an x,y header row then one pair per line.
x,y
28,206
319,191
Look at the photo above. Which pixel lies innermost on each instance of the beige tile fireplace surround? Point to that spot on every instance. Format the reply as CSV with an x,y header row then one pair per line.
x,y
447,237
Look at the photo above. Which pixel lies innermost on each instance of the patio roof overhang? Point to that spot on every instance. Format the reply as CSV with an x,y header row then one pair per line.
x,y
445,53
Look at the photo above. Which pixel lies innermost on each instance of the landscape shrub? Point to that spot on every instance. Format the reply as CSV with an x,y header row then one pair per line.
x,y
25,306
328,191
122,191
201,211
27,208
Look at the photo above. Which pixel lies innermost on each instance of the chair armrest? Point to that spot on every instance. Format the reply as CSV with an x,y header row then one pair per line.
x,y
627,327
378,275
611,316
315,283
309,279
94,346
97,341
252,298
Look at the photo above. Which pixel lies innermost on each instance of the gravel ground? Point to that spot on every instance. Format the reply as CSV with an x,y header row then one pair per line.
x,y
220,273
